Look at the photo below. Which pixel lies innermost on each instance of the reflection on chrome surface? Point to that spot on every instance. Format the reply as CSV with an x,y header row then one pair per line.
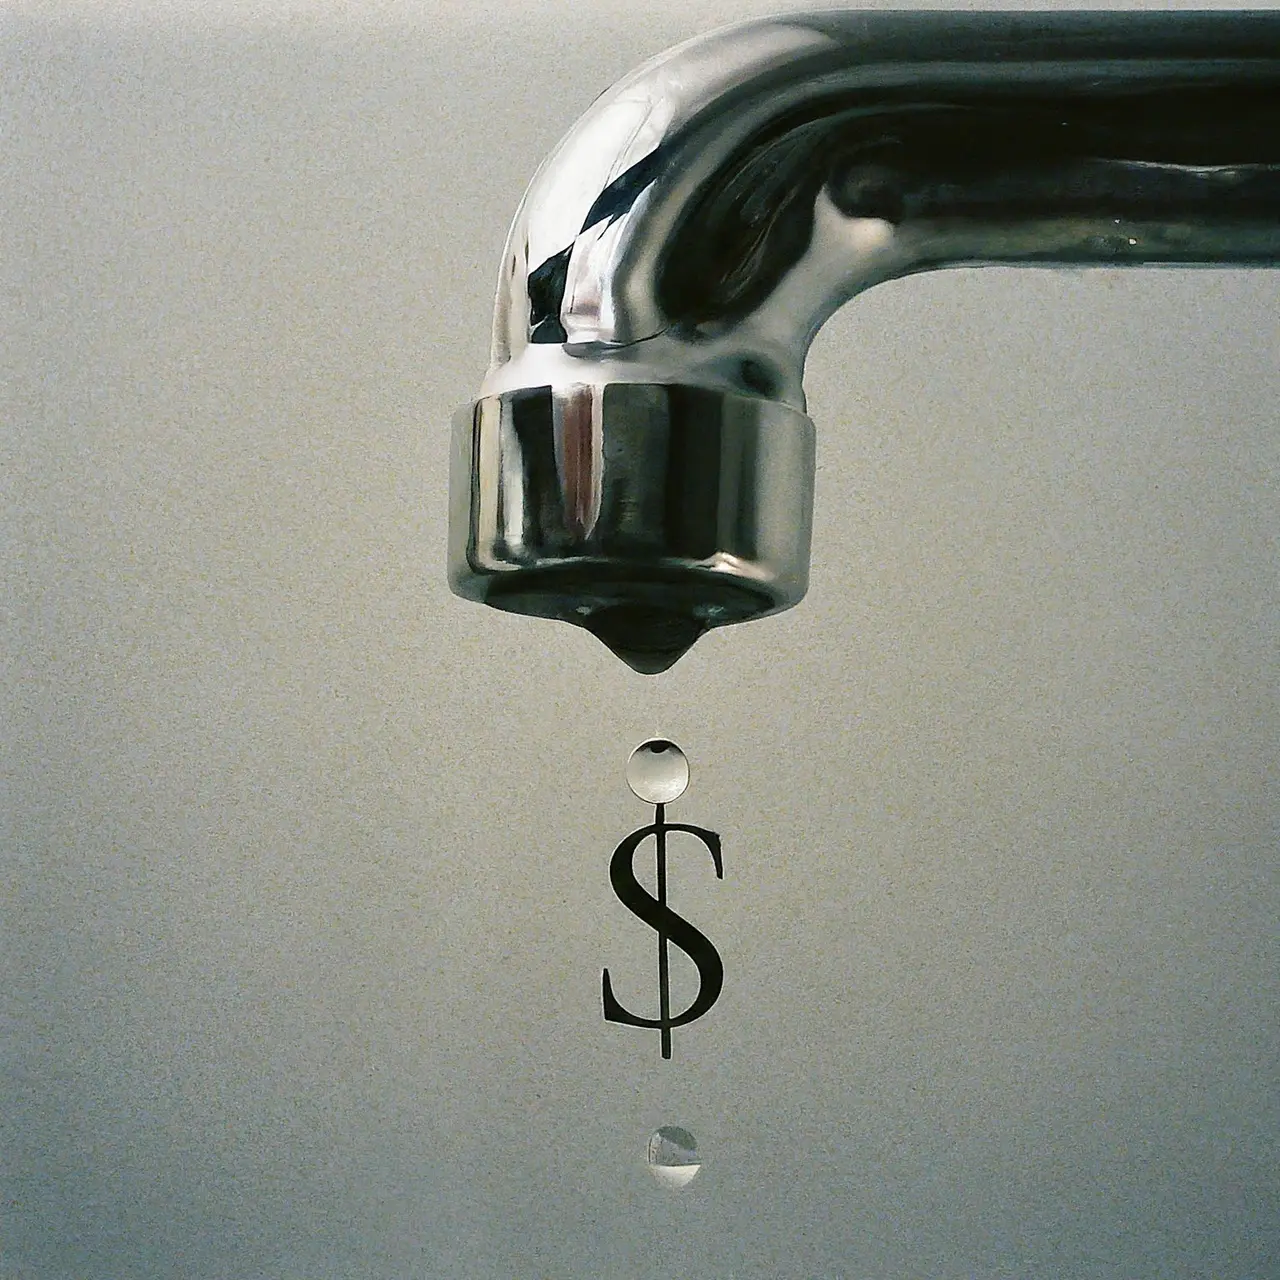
x,y
639,460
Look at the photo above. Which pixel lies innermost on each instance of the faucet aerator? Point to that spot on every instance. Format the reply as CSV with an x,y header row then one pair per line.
x,y
646,514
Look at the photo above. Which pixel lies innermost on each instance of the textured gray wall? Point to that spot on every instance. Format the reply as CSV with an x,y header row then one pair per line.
x,y
303,861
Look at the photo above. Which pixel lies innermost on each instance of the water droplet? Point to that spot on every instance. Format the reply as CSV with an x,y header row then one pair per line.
x,y
658,771
673,1156
648,640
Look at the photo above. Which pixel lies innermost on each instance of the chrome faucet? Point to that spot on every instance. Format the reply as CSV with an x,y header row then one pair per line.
x,y
639,460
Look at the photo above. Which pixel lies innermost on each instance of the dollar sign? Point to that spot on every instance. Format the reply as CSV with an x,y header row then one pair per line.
x,y
670,928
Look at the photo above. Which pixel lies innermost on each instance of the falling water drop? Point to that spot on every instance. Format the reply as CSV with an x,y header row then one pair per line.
x,y
658,771
673,1156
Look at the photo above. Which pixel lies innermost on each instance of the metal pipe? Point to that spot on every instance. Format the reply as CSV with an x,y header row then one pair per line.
x,y
639,460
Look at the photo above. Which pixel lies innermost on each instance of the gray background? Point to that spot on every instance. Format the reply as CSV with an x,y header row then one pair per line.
x,y
304,894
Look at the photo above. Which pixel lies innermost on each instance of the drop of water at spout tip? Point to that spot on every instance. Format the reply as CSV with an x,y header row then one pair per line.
x,y
649,640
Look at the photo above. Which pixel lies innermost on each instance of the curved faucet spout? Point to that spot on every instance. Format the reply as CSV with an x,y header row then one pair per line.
x,y
640,461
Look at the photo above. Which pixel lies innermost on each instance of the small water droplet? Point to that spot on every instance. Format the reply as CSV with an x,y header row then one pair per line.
x,y
649,640
673,1156
658,771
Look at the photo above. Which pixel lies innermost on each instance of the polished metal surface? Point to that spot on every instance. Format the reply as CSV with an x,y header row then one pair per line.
x,y
646,513
639,459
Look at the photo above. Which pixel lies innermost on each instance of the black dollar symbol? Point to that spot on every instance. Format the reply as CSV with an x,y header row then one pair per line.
x,y
669,927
